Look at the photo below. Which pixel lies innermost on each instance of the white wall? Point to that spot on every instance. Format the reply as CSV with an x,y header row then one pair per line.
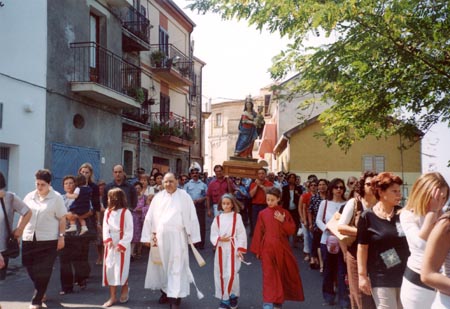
x,y
23,60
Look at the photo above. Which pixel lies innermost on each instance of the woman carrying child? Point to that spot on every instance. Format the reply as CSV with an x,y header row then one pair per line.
x,y
270,243
80,206
117,235
229,237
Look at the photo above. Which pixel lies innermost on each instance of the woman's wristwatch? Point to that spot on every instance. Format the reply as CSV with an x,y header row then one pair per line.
x,y
61,235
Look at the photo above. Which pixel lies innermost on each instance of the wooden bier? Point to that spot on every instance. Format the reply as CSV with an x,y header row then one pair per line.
x,y
242,167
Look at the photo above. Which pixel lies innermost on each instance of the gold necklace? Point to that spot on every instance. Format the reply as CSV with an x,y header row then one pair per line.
x,y
383,213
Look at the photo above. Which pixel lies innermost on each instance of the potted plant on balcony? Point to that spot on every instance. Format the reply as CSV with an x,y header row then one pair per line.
x,y
157,57
184,70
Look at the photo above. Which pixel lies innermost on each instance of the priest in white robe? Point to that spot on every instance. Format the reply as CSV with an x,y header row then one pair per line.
x,y
170,220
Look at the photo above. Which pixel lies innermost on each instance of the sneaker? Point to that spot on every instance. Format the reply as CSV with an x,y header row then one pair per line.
x,y
72,228
233,302
224,305
84,230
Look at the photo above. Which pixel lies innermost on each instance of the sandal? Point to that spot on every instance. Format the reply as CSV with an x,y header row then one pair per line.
x,y
109,303
124,300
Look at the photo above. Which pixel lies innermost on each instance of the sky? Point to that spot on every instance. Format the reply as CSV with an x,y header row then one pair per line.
x,y
237,61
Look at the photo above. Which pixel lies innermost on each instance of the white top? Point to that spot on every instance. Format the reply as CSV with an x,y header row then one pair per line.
x,y
411,225
332,208
347,213
46,214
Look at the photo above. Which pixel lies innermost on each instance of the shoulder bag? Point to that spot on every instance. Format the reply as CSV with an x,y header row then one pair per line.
x,y
333,223
12,245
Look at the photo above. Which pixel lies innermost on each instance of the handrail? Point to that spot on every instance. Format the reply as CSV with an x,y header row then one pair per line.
x,y
94,63
134,21
171,58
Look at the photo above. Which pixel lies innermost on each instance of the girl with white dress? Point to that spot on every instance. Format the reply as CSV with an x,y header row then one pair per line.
x,y
229,237
117,235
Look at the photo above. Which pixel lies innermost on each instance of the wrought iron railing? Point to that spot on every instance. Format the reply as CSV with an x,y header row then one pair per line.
x,y
172,124
134,21
93,63
170,57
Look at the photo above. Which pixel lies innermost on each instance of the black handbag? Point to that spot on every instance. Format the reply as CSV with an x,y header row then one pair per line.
x,y
12,245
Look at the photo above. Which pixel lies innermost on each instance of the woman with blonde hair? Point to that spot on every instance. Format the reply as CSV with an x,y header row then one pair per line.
x,y
424,207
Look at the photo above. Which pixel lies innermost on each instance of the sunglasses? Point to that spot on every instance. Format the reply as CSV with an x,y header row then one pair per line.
x,y
313,185
339,187
368,184
351,183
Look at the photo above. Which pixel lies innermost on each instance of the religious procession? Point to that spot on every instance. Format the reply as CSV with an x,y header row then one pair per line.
x,y
327,188
370,251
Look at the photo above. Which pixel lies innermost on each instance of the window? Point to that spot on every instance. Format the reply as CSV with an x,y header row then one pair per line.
x,y
4,162
164,108
218,120
164,41
128,162
373,163
267,105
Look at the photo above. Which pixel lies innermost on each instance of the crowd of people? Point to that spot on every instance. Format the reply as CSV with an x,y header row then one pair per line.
x,y
384,255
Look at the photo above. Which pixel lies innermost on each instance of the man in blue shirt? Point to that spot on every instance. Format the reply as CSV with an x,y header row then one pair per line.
x,y
197,191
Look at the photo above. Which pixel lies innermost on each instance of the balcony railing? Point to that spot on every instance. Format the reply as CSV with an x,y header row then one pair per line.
x,y
93,63
167,56
171,124
135,22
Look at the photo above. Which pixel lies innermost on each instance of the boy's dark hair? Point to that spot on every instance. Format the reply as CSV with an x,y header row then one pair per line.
x,y
69,177
44,175
274,191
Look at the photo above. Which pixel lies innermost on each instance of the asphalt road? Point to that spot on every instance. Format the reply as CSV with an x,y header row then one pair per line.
x,y
17,289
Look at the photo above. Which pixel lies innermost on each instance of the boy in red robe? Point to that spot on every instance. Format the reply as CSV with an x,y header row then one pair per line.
x,y
270,243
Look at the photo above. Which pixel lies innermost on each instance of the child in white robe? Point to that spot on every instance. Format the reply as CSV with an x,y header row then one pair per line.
x,y
229,237
117,235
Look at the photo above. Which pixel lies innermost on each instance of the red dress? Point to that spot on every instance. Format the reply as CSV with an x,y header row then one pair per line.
x,y
281,276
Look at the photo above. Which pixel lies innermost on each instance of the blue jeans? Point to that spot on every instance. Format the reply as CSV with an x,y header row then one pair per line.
x,y
334,267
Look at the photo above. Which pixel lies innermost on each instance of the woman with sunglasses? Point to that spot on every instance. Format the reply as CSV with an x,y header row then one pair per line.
x,y
364,199
333,259
382,247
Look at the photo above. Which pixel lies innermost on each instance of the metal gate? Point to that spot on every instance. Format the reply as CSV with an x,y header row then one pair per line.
x,y
67,159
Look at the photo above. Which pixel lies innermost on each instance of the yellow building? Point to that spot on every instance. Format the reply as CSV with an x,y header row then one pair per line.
x,y
299,151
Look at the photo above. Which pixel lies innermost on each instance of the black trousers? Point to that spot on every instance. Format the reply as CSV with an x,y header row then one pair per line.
x,y
74,263
38,257
201,215
4,269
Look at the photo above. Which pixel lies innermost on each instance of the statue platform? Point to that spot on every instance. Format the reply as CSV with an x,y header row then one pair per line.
x,y
241,167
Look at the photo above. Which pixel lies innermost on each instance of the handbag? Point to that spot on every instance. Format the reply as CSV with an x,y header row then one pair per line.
x,y
12,245
332,226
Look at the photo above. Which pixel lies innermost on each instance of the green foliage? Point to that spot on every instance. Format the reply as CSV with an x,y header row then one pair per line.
x,y
389,60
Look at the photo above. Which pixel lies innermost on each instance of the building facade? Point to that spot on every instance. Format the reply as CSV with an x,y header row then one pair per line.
x,y
79,79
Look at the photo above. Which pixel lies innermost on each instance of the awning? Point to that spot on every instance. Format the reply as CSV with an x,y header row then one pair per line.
x,y
281,145
269,137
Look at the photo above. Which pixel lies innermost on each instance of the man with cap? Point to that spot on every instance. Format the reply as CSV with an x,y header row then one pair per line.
x,y
197,191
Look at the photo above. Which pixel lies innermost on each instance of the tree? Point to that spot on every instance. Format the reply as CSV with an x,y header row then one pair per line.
x,y
388,70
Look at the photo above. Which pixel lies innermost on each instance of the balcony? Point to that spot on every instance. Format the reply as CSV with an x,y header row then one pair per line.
x,y
135,29
171,64
103,76
172,129
119,3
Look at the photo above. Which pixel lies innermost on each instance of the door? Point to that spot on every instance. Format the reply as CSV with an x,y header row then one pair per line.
x,y
67,159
